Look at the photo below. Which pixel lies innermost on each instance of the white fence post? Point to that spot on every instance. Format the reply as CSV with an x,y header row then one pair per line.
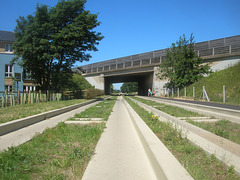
x,y
224,100
194,92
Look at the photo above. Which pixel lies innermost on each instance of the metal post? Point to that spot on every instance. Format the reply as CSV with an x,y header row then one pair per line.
x,y
194,92
224,100
203,92
172,92
185,92
178,92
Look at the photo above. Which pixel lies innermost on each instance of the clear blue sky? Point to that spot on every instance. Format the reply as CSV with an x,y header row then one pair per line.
x,y
137,26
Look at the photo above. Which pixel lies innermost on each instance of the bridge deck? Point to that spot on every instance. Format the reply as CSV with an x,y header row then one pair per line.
x,y
219,48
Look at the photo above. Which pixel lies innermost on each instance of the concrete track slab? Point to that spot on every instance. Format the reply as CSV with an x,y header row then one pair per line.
x,y
119,153
25,134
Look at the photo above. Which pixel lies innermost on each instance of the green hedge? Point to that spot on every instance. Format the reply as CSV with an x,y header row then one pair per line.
x,y
92,93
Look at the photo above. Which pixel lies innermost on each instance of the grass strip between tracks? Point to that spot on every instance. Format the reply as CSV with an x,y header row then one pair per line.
x,y
101,110
21,111
62,152
174,111
197,163
223,128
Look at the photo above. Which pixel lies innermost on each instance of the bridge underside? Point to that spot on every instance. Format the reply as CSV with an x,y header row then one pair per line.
x,y
144,80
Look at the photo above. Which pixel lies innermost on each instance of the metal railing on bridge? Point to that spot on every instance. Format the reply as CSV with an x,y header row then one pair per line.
x,y
223,47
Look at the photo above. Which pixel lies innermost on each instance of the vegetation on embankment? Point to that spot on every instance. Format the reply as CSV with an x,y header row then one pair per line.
x,y
229,77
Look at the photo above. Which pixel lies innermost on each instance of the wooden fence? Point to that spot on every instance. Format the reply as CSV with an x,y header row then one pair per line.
x,y
12,99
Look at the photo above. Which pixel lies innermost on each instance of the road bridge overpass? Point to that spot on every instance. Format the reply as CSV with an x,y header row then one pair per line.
x,y
143,68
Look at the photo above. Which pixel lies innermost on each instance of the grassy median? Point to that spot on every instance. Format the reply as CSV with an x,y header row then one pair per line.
x,y
62,152
59,153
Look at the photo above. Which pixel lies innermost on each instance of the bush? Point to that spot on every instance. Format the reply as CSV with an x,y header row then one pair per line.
x,y
92,93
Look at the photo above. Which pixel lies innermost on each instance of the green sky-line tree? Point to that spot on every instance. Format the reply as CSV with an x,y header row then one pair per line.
x,y
53,39
128,87
182,65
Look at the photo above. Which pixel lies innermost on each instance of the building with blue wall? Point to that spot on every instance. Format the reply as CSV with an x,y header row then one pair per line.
x,y
12,76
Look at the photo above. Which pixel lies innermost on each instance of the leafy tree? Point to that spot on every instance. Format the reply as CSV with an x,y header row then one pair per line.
x,y
182,65
53,39
78,82
129,87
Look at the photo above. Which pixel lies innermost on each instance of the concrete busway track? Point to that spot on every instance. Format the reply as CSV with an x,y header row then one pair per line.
x,y
221,111
15,137
226,151
14,125
128,149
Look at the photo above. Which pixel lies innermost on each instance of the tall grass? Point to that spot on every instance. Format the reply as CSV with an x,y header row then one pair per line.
x,y
229,77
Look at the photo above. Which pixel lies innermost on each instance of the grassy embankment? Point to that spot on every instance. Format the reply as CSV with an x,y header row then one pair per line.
x,y
197,163
62,152
229,77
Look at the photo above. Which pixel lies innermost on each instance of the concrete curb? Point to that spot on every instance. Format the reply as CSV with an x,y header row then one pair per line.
x,y
165,165
14,125
199,137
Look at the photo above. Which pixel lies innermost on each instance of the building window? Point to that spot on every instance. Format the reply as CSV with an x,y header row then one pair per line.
x,y
9,88
26,75
8,48
8,70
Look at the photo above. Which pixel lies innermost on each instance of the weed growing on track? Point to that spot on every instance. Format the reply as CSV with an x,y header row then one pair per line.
x,y
223,128
100,110
196,162
62,152
174,111
21,111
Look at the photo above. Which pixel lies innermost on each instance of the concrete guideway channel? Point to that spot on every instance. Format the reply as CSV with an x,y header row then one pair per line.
x,y
232,115
226,151
14,125
25,133
128,149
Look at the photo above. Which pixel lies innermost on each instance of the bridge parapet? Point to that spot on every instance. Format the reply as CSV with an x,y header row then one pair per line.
x,y
224,47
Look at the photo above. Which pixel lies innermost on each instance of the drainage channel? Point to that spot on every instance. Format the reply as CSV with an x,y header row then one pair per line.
x,y
226,151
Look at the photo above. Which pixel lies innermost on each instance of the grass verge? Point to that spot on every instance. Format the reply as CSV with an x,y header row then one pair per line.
x,y
21,111
223,128
196,162
173,111
101,110
59,153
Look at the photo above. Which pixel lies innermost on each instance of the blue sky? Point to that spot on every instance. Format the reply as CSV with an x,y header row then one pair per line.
x,y
138,26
